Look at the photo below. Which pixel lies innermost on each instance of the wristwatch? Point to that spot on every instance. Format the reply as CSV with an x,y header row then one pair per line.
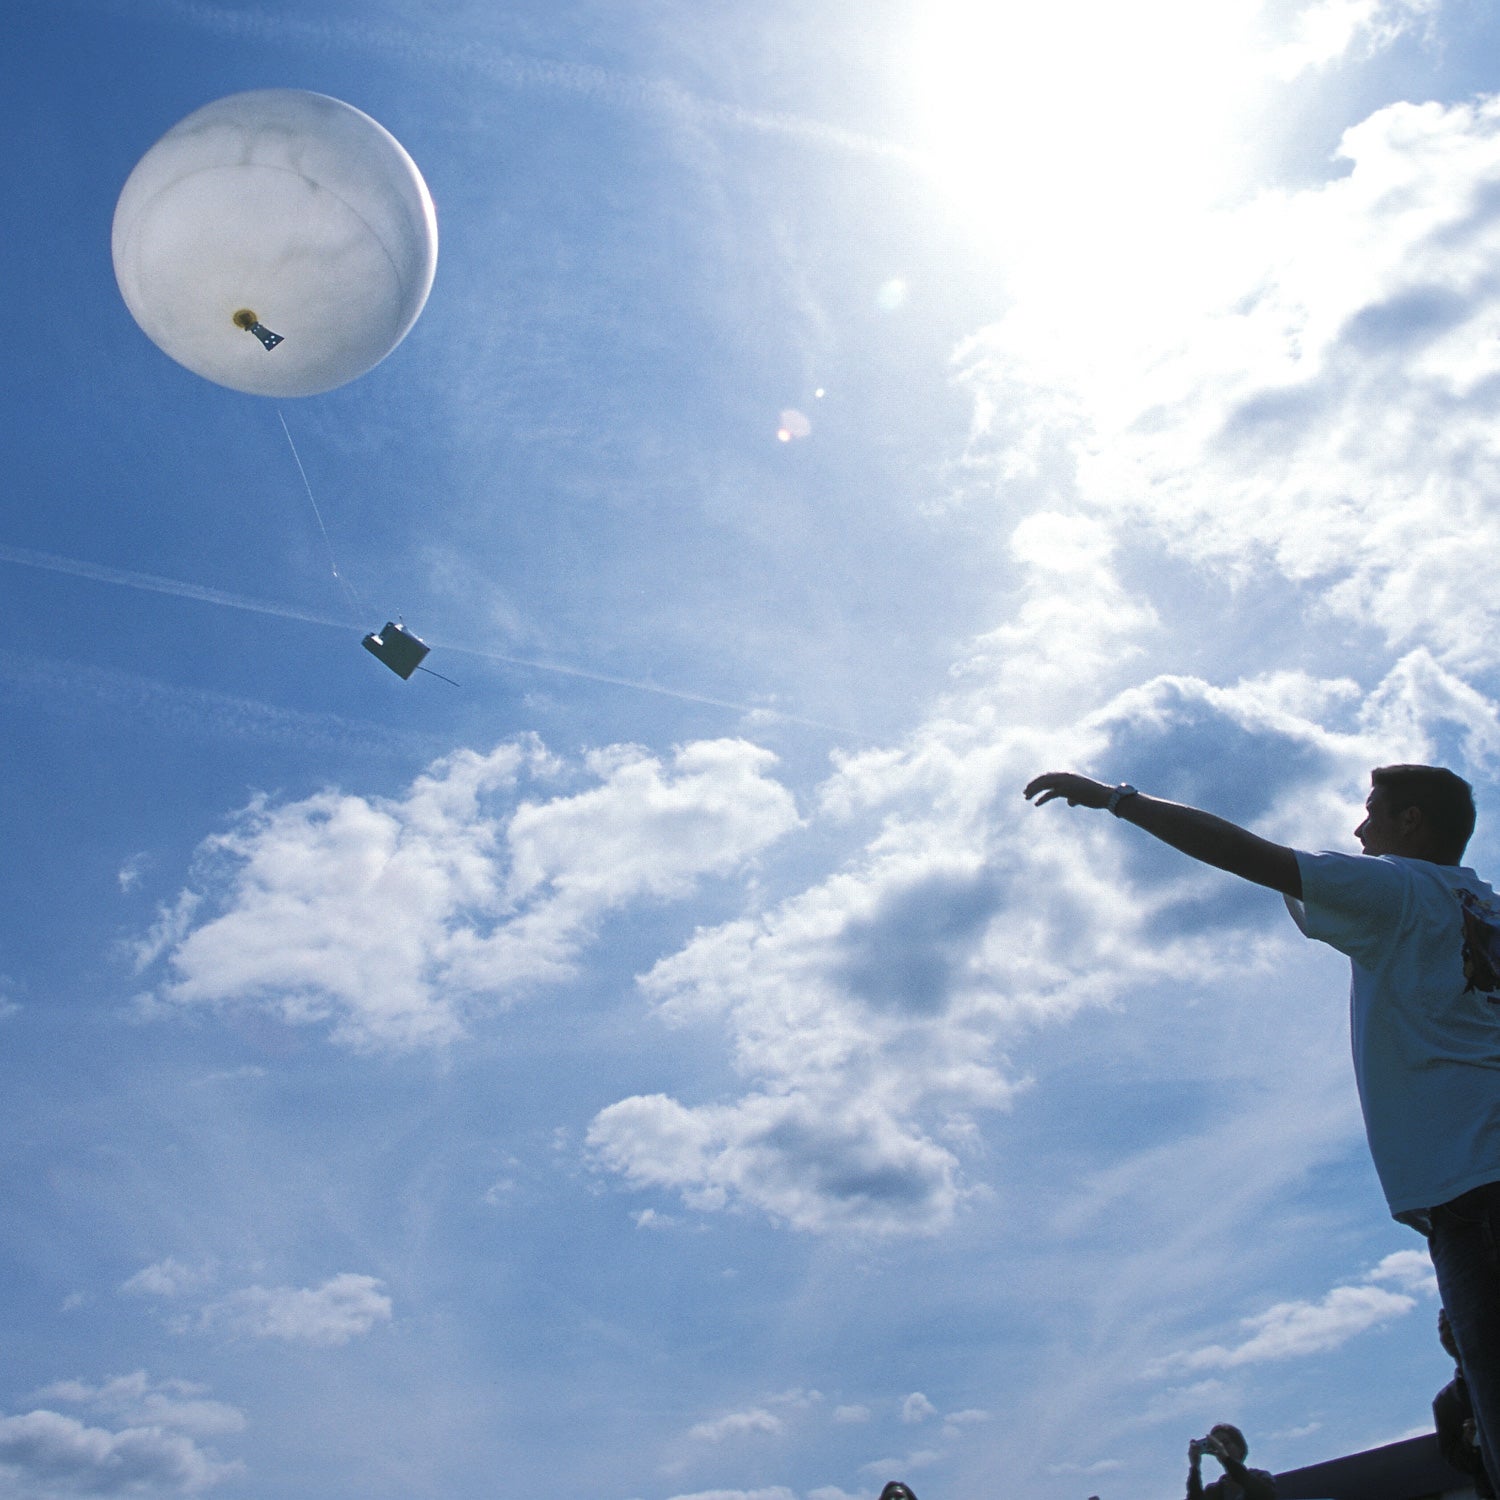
x,y
1118,795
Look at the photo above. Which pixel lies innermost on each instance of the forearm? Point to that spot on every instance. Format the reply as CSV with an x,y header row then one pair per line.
x,y
1199,835
1235,1470
1215,841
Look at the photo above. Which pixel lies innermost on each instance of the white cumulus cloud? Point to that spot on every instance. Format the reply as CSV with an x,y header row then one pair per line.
x,y
1329,29
393,920
1310,396
917,1408
736,1424
774,1492
169,1278
342,1308
152,1448
138,1401
1292,1329
1411,1270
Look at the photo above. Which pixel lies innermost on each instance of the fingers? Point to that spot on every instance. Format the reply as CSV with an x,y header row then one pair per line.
x,y
1054,784
1080,791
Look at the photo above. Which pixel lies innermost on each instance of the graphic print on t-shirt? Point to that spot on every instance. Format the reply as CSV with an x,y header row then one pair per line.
x,y
1481,945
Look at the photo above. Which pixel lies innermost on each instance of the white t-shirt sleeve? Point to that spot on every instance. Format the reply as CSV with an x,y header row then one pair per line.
x,y
1352,902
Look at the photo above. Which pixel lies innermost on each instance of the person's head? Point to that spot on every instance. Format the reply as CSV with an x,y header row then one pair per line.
x,y
1422,812
1231,1439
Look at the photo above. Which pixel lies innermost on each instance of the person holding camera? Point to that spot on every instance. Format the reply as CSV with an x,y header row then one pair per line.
x,y
1227,1444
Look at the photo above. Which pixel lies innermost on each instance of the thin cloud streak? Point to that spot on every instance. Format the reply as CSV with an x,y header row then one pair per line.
x,y
635,685
154,583
55,685
583,80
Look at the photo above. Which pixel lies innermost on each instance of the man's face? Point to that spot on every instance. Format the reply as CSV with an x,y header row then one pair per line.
x,y
1382,831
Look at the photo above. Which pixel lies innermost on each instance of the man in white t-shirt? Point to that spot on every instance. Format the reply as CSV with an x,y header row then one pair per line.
x,y
1422,934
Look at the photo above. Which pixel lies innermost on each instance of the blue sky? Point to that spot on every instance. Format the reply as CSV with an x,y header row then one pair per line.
x,y
676,1062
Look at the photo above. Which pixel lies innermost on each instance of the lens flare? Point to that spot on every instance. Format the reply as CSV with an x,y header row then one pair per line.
x,y
793,425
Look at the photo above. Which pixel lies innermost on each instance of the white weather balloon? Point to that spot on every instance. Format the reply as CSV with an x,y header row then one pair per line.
x,y
277,242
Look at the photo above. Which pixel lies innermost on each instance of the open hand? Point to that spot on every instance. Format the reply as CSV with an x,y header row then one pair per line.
x,y
1078,790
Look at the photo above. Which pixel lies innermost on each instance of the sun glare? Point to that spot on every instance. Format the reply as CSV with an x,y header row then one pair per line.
x,y
1080,114
1083,143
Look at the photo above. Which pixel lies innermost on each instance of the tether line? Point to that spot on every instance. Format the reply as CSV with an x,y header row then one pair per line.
x,y
355,606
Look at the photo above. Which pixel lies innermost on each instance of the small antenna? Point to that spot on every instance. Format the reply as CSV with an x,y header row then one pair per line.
x,y
247,320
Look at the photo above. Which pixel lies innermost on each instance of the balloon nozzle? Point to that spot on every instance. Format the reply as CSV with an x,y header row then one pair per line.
x,y
247,320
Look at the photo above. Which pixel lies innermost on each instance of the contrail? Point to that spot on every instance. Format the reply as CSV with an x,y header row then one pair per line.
x,y
154,583
188,712
515,70
642,687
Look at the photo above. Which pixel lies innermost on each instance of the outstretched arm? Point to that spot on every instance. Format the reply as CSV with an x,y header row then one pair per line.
x,y
1200,835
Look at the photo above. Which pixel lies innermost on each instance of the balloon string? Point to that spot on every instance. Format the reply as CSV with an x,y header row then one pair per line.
x,y
348,587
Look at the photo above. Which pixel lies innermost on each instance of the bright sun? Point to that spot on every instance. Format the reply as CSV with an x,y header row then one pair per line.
x,y
1082,115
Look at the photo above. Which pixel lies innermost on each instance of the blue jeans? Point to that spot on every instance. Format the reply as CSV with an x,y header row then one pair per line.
x,y
1465,1245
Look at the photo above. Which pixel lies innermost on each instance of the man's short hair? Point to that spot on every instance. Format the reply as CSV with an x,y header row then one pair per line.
x,y
1235,1436
1446,800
